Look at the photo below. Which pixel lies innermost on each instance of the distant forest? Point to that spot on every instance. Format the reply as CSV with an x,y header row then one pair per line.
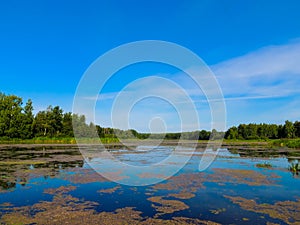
x,y
17,121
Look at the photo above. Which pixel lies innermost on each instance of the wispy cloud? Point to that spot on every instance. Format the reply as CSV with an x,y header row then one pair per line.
x,y
102,96
263,85
270,71
250,83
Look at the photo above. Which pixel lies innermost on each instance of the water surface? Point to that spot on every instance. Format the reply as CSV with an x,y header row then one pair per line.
x,y
56,185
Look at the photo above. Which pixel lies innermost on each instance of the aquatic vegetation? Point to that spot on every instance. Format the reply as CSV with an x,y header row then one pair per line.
x,y
59,190
152,175
5,206
21,174
110,190
65,209
264,165
82,196
23,162
217,211
287,211
295,167
164,206
20,164
62,209
240,176
182,195
190,183
290,143
82,176
184,183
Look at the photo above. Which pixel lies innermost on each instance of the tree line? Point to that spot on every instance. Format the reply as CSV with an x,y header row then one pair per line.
x,y
18,121
264,131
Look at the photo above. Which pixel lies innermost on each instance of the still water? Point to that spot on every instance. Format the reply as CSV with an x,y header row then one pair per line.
x,y
56,185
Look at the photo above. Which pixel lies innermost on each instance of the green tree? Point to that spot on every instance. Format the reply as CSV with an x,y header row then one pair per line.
x,y
55,117
67,126
27,121
100,131
242,134
10,115
272,131
81,129
232,133
204,135
41,124
297,128
288,129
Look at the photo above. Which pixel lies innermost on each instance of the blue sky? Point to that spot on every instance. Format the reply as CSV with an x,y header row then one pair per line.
x,y
253,47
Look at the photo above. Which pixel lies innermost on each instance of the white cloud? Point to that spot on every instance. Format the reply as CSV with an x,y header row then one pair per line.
x,y
250,83
270,71
102,96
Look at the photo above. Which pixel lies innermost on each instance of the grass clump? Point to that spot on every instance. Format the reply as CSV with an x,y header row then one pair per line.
x,y
264,165
290,143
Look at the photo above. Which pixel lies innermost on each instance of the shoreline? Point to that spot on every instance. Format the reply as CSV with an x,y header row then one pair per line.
x,y
258,145
200,143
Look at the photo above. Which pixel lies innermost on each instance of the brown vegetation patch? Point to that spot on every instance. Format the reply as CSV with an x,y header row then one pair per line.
x,y
116,175
166,206
186,183
152,175
109,190
83,176
5,206
287,211
62,209
60,190
190,183
20,168
65,209
239,176
217,211
182,195
178,221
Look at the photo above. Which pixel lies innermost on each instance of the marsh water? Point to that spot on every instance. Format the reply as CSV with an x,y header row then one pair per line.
x,y
57,185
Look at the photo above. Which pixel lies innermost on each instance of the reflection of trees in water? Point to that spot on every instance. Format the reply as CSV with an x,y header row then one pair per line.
x,y
246,151
7,185
36,152
17,171
60,165
20,174
293,156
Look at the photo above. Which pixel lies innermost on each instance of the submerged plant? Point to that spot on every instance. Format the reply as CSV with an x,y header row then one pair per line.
x,y
294,167
264,165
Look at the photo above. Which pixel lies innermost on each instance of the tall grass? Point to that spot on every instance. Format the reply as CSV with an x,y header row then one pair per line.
x,y
55,140
290,143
